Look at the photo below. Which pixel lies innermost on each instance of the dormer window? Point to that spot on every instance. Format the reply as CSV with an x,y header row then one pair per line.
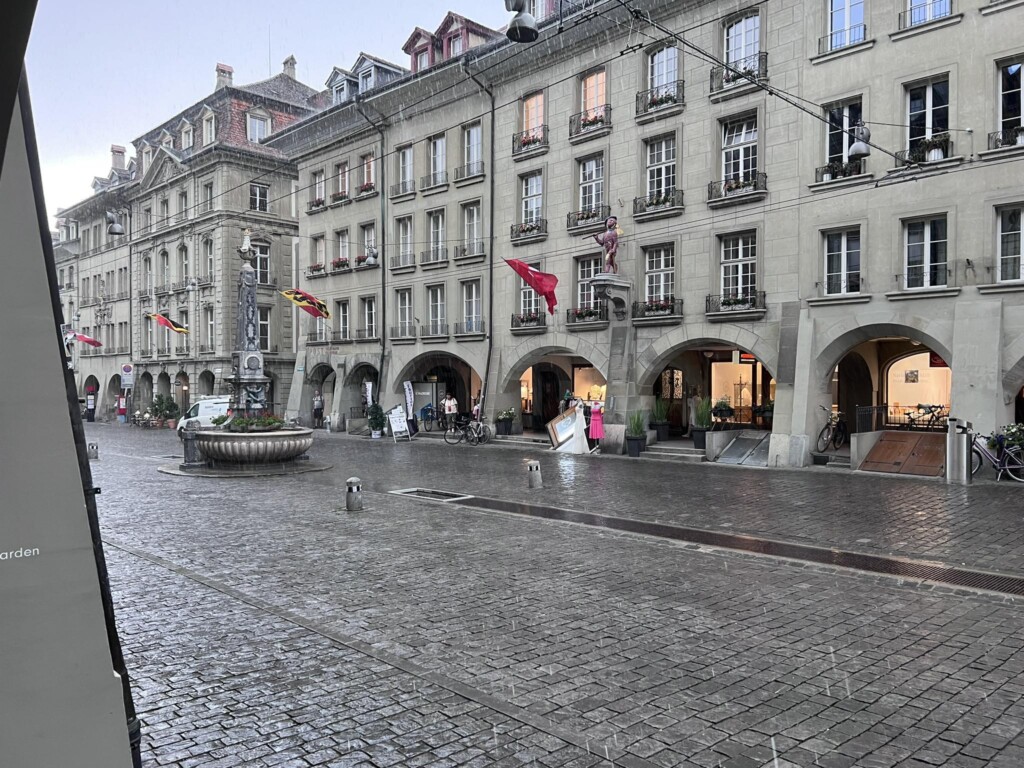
x,y
209,129
186,137
147,159
422,60
365,80
339,93
455,46
258,126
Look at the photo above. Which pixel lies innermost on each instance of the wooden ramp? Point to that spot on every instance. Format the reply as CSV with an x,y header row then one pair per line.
x,y
908,453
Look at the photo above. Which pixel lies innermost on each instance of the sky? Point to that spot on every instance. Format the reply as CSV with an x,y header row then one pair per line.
x,y
103,73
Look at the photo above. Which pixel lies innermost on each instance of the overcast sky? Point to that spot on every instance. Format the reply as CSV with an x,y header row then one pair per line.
x,y
103,72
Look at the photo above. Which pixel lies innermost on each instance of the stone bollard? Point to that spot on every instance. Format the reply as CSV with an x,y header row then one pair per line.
x,y
92,451
194,458
533,473
354,496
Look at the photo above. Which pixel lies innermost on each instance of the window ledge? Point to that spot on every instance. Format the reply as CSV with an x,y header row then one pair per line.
x,y
526,154
402,197
732,91
664,212
847,50
439,264
587,325
733,315
658,320
403,270
316,275
922,293
435,190
1016,286
340,270
738,198
848,181
1010,150
528,330
339,203
364,267
590,226
590,133
660,112
1000,5
843,298
315,211
472,259
368,340
470,180
926,167
366,195
528,239
474,336
399,340
928,26
441,339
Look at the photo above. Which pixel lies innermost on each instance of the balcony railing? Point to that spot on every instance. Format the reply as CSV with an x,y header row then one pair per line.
x,y
529,320
669,307
471,248
313,271
529,229
434,255
318,337
842,38
403,188
922,14
735,302
403,331
924,276
837,170
589,217
657,201
433,330
315,204
595,314
163,349
590,120
181,349
1011,137
929,150
146,352
469,170
534,138
436,179
206,349
470,326
341,337
181,285
740,71
661,97
162,288
403,260
840,285
366,333
741,185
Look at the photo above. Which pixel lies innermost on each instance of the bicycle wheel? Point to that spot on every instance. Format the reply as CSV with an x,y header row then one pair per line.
x,y
485,433
428,422
471,436
977,461
1013,463
824,438
453,435
839,435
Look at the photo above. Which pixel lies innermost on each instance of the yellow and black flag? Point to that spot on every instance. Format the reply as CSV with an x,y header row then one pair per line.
x,y
307,301
166,322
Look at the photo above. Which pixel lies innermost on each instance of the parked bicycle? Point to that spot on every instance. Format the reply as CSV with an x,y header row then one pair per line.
x,y
429,414
834,432
473,432
1008,459
927,417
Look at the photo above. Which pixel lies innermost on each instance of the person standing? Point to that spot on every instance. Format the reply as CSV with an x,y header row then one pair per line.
x,y
318,410
451,409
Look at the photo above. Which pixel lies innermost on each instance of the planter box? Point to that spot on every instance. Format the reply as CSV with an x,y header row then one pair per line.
x,y
633,446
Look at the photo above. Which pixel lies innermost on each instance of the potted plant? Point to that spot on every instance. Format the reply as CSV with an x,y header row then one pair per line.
x,y
767,412
159,409
935,147
367,188
635,433
722,409
833,170
171,413
375,417
701,423
503,421
1019,135
316,202
315,269
339,262
659,418
339,197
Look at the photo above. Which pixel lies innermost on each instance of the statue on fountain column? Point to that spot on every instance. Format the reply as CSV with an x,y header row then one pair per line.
x,y
609,241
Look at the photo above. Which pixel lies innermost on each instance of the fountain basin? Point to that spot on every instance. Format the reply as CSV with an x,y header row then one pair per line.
x,y
248,448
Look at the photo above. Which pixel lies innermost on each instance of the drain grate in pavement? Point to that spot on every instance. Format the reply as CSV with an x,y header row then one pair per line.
x,y
890,566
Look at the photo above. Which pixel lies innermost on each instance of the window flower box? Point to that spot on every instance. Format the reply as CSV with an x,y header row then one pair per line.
x,y
586,313
339,263
528,228
339,197
529,318
591,121
531,140
316,202
660,306
367,188
661,99
737,186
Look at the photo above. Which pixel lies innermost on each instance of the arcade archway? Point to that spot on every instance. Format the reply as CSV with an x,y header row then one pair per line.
x,y
541,383
433,374
205,383
182,396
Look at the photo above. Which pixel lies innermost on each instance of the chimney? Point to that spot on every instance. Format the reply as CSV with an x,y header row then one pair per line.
x,y
224,74
116,157
289,67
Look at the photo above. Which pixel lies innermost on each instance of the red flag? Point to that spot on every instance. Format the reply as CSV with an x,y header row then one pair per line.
x,y
76,336
307,301
166,322
542,282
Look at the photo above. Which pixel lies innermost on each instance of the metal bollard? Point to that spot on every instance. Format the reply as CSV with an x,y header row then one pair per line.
x,y
354,496
92,451
327,423
533,473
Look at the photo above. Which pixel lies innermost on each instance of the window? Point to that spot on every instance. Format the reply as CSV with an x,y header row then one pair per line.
x,y
455,45
472,147
182,205
186,137
319,187
208,254
405,168
925,253
661,166
923,11
841,120
662,69
147,218
471,307
339,93
586,269
183,322
436,309
342,242
262,262
404,235
533,197
165,267
592,92
927,111
147,159
369,233
591,183
1011,265
209,130
341,172
208,324
739,265
365,80
207,197
529,299
319,251
150,341
341,312
743,41
165,213
842,262
533,113
147,275
183,266
369,178
370,317
845,23
259,197
264,328
471,225
438,160
1010,114
739,150
406,326
661,273
258,127
422,60
437,236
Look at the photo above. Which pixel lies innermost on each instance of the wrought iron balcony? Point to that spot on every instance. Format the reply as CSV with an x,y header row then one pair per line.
x,y
314,271
667,307
407,259
587,218
181,349
741,185
403,188
433,330
672,198
162,288
205,280
529,229
436,255
469,170
838,170
1011,137
470,248
341,337
318,337
403,331
842,38
315,204
590,120
661,97
474,325
929,150
922,14
366,333
752,68
531,139
437,179
146,352
840,284
529,320
206,349
736,302
924,276
594,314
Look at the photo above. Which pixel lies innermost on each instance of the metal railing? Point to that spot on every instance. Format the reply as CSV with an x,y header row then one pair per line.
x,y
740,71
1010,137
529,320
588,217
315,204
314,271
474,325
181,349
162,288
530,139
366,333
403,188
471,248
146,352
529,229
594,314
842,38
403,331
434,255
318,337
433,330
928,150
736,302
204,280
667,95
403,260
922,14
669,307
590,120
469,170
938,275
206,349
341,337
672,198
838,170
741,185
840,285
920,417
436,179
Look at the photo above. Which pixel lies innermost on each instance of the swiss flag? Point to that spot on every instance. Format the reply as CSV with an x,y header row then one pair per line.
x,y
542,282
76,336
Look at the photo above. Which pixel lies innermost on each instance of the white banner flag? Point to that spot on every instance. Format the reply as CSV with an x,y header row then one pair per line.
x,y
408,400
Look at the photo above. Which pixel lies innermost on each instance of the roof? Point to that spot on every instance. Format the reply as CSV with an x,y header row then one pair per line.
x,y
414,38
282,88
451,17
379,61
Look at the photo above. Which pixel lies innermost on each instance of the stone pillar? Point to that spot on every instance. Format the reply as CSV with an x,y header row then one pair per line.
x,y
977,368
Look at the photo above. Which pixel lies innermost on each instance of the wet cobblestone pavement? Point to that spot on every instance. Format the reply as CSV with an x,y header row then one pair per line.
x,y
265,626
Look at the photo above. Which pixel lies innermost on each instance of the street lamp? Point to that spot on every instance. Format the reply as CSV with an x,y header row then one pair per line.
x,y
862,135
523,27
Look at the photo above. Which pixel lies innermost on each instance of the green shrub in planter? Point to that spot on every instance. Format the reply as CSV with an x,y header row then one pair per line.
x,y
375,417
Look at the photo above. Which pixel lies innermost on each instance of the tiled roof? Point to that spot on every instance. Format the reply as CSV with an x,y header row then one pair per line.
x,y
282,88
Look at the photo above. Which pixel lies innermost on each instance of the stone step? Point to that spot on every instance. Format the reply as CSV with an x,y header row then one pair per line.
x,y
675,450
678,456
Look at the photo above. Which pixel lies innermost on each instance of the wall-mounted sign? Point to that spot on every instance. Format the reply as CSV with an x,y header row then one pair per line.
x,y
934,361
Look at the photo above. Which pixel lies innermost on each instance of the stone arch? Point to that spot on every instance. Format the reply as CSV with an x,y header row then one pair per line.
x,y
206,383
1013,372
418,363
112,392
656,356
533,348
144,391
163,384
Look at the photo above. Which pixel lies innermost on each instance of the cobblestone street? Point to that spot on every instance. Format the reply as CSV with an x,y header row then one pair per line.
x,y
265,626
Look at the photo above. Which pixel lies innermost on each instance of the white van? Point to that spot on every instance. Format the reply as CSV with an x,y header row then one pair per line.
x,y
202,413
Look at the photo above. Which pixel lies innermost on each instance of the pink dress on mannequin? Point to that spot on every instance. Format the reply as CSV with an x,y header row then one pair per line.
x,y
597,424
